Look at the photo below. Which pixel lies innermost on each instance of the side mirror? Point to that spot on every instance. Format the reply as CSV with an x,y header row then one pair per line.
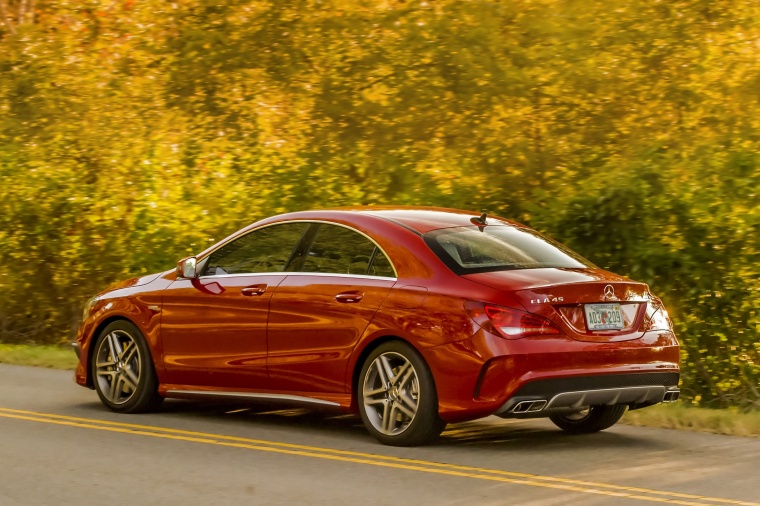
x,y
186,268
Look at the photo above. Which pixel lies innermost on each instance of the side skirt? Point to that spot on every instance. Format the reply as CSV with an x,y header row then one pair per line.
x,y
342,401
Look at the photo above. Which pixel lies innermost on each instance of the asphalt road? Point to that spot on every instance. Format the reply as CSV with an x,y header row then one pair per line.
x,y
60,446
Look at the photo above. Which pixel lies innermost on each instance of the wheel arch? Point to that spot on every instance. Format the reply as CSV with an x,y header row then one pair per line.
x,y
365,352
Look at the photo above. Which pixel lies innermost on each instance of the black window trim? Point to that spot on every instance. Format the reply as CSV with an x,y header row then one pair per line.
x,y
303,243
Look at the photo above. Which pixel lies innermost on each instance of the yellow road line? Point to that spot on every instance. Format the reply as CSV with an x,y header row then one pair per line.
x,y
372,459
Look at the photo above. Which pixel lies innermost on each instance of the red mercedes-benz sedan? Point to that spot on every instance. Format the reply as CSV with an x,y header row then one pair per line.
x,y
414,317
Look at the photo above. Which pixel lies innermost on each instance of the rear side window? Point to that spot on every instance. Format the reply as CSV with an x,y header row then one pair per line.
x,y
467,250
339,250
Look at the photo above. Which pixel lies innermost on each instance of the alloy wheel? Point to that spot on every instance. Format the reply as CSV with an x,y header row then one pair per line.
x,y
391,393
118,366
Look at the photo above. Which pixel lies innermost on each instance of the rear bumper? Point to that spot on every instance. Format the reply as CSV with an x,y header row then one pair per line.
x,y
487,375
552,396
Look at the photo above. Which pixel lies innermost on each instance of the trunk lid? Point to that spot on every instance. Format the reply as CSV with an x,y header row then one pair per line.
x,y
589,305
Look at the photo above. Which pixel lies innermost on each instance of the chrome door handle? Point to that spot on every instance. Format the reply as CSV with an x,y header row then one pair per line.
x,y
349,297
254,290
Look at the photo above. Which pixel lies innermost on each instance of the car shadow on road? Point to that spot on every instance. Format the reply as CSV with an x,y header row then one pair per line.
x,y
270,415
488,434
530,435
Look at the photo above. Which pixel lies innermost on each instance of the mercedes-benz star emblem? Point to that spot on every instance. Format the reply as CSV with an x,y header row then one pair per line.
x,y
609,292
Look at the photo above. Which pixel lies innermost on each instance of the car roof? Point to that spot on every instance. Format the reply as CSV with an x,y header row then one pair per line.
x,y
419,219
425,219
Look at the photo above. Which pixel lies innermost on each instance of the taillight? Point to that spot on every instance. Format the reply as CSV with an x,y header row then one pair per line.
x,y
657,317
509,323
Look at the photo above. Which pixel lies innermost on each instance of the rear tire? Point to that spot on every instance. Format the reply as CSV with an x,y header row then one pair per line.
x,y
397,398
594,419
122,369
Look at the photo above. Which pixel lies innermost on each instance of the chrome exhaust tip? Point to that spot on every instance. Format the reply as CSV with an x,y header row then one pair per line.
x,y
528,406
671,396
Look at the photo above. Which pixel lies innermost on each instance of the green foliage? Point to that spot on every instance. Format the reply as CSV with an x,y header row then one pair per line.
x,y
136,132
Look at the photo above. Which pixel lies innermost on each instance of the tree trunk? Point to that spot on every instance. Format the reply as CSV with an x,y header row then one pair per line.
x,y
4,15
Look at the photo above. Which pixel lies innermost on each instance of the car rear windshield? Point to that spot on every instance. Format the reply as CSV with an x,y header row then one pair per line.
x,y
467,250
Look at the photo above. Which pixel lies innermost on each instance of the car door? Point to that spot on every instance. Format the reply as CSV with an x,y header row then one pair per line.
x,y
318,313
213,328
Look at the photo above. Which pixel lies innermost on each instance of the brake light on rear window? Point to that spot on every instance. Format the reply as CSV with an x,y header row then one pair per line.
x,y
509,323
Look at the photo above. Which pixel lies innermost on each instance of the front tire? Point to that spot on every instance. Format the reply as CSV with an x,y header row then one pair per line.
x,y
123,371
593,419
397,398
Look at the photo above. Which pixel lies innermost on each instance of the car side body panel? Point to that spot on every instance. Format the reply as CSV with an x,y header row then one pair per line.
x,y
314,324
214,330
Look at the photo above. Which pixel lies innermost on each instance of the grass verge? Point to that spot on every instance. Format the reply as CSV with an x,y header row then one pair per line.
x,y
54,357
665,416
682,417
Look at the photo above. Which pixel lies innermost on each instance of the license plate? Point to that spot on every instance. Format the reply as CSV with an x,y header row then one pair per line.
x,y
604,316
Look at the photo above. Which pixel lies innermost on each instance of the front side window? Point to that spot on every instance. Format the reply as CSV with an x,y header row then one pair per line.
x,y
339,250
266,249
467,250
